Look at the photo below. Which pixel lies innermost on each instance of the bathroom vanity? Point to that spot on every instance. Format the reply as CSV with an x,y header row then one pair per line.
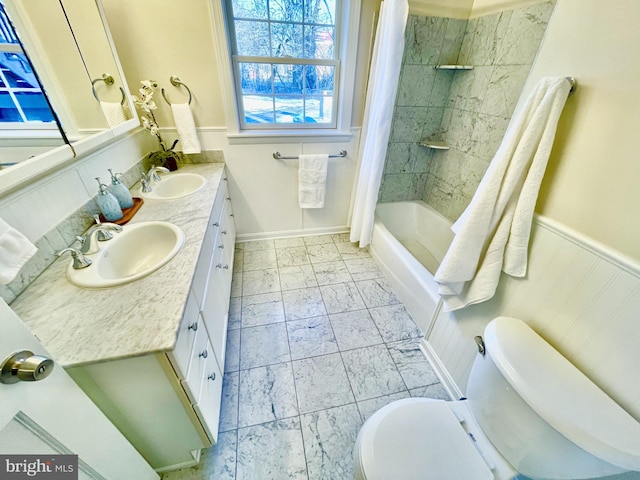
x,y
151,353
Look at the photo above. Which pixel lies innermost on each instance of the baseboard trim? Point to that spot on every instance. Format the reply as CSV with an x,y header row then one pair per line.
x,y
441,372
248,237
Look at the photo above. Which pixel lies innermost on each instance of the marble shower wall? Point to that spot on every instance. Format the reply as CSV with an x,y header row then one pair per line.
x,y
470,110
420,103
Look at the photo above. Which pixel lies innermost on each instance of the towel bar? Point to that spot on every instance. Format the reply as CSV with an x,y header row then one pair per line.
x,y
277,156
574,84
108,79
175,81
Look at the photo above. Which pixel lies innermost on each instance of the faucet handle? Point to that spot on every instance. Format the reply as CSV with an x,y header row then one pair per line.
x,y
102,235
79,260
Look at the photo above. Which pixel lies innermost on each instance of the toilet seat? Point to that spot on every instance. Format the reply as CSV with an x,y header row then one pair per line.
x,y
419,439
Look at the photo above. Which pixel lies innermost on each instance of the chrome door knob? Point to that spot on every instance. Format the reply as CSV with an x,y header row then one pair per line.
x,y
26,367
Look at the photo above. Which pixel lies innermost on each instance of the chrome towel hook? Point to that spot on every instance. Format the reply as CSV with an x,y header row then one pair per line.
x,y
108,79
175,81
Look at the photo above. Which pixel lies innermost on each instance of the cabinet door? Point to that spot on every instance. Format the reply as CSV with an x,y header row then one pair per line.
x,y
199,354
201,274
208,406
191,322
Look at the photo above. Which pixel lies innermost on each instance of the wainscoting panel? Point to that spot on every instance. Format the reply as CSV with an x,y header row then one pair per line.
x,y
582,297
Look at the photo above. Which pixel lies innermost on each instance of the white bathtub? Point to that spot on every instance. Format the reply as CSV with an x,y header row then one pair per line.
x,y
409,241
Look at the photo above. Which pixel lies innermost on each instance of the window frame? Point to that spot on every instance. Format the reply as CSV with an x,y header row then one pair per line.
x,y
9,129
346,33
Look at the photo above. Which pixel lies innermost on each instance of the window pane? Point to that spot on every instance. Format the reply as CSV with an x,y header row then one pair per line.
x,y
8,111
319,79
250,9
255,78
289,109
34,106
252,38
257,109
287,10
17,70
320,11
318,109
288,79
286,40
318,42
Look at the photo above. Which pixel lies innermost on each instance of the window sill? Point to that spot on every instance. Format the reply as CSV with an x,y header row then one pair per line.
x,y
289,136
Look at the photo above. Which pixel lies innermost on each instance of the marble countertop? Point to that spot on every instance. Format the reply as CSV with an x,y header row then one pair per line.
x,y
83,326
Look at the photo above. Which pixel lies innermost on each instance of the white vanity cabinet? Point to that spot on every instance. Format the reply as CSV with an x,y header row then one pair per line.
x,y
168,404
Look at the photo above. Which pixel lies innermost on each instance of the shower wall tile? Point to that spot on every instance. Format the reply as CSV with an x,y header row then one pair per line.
x,y
423,39
408,123
398,158
487,135
453,37
522,37
431,127
469,110
416,84
468,88
503,90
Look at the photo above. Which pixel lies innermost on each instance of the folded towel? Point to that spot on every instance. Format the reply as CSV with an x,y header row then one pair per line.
x,y
312,180
15,250
183,119
492,234
114,113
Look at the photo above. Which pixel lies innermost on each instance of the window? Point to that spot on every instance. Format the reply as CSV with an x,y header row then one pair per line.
x,y
286,65
21,99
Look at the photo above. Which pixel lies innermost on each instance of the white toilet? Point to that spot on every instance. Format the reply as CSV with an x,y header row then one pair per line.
x,y
529,411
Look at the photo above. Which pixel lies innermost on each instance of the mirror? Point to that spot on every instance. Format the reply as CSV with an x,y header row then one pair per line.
x,y
71,51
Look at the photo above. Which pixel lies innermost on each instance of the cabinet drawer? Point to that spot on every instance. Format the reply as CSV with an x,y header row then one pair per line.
x,y
191,322
208,405
199,354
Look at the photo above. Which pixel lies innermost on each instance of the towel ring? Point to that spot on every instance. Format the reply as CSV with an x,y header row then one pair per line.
x,y
175,81
108,79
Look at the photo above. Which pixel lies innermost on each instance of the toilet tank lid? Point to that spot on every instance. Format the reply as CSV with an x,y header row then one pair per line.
x,y
561,394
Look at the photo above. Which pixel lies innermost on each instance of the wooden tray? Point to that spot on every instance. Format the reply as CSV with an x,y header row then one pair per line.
x,y
127,213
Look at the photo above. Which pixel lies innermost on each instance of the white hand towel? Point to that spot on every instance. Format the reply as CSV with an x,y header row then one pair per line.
x,y
183,119
312,180
15,250
114,113
492,234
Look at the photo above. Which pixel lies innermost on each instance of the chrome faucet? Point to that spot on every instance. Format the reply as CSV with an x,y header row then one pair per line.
x,y
89,242
79,260
151,176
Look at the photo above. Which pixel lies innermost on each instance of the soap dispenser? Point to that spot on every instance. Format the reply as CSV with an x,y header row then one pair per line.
x,y
120,191
107,203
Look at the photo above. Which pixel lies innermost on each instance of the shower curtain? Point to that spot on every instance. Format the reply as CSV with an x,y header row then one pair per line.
x,y
381,95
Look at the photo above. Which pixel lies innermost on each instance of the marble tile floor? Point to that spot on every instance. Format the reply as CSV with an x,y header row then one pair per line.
x,y
317,343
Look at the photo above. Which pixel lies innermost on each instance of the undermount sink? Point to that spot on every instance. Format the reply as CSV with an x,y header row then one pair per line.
x,y
175,185
137,251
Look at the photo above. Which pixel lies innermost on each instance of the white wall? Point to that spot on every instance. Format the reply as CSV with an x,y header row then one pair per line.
x,y
592,181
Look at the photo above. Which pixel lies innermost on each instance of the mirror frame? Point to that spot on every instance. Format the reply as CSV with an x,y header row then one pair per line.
x,y
39,166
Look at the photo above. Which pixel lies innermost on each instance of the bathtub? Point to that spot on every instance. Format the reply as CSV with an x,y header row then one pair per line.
x,y
409,241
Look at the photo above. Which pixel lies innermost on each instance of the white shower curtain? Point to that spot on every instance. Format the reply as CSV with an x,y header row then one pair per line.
x,y
378,115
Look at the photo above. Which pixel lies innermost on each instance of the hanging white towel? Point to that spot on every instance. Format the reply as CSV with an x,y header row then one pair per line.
x,y
312,180
114,113
15,250
186,126
492,234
